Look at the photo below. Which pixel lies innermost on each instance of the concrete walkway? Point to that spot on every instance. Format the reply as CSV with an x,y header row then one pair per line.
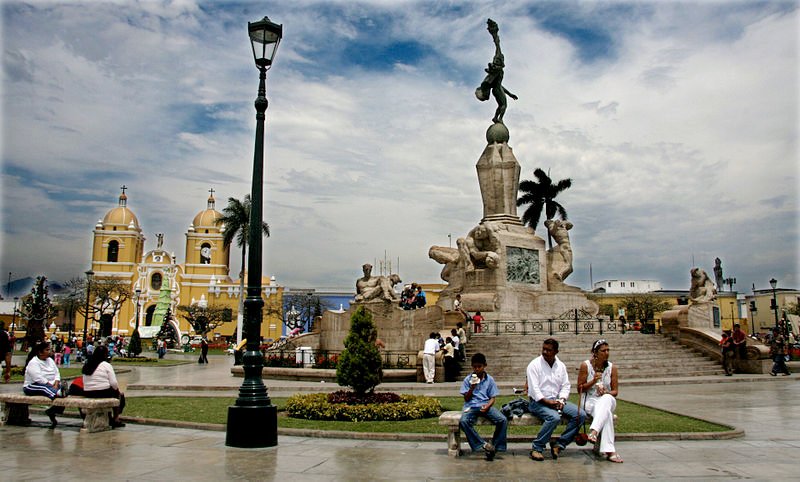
x,y
765,407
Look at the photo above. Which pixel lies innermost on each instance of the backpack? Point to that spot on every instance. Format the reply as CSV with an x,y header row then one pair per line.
x,y
515,408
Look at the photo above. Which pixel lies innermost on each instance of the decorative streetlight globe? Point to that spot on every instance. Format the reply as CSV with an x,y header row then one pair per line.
x,y
264,38
253,420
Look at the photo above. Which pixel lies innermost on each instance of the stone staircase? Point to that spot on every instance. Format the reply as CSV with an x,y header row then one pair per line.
x,y
636,355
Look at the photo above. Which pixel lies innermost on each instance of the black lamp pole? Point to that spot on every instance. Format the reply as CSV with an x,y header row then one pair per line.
x,y
89,275
774,283
14,316
138,293
253,420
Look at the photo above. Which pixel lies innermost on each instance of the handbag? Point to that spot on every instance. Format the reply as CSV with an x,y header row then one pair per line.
x,y
582,438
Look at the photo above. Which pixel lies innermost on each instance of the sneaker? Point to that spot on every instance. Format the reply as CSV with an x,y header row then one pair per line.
x,y
537,456
490,451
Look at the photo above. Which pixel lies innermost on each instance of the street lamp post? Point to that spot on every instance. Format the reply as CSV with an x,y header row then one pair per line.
x,y
774,283
138,293
253,420
89,276
733,320
14,316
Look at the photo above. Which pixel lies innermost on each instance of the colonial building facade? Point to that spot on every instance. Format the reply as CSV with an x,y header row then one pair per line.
x,y
162,282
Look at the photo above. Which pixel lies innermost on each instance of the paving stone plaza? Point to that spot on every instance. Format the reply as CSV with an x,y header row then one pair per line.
x,y
764,407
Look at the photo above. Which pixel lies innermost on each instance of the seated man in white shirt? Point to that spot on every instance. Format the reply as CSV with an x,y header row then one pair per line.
x,y
548,389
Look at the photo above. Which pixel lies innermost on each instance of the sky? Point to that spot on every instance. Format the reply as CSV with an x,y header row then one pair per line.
x,y
676,121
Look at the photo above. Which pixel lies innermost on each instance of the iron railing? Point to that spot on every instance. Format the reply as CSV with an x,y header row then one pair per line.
x,y
552,326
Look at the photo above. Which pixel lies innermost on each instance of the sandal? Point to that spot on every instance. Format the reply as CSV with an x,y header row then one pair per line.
x,y
615,457
592,437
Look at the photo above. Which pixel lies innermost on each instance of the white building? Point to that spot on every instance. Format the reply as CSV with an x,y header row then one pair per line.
x,y
626,286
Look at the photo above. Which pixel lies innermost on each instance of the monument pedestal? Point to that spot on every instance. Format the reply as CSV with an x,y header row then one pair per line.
x,y
701,315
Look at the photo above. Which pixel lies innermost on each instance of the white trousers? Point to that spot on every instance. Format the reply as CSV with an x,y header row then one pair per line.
x,y
602,412
429,366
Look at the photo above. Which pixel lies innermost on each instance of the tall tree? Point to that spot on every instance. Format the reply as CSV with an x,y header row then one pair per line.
x,y
72,302
205,318
360,365
236,221
308,307
37,309
540,194
643,307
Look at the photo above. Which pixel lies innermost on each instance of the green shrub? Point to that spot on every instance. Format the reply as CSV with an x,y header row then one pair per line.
x,y
360,365
315,406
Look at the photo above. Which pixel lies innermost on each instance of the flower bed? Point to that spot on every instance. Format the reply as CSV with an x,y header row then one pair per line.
x,y
336,406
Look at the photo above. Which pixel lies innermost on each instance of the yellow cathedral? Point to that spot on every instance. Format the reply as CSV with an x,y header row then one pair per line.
x,y
118,252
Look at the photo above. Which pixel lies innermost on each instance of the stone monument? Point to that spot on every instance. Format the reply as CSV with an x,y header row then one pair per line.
x,y
702,296
501,267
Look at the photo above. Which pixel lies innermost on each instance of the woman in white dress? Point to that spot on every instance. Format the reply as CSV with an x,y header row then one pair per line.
x,y
597,383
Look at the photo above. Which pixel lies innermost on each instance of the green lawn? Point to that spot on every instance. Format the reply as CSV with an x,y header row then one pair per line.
x,y
633,418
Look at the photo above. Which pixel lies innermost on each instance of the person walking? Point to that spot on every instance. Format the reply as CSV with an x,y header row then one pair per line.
x,y
203,351
429,357
777,346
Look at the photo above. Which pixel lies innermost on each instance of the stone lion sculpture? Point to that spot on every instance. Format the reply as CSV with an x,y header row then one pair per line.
x,y
369,288
702,288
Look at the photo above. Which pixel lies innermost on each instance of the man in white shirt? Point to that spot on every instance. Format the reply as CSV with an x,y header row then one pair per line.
x,y
429,357
548,390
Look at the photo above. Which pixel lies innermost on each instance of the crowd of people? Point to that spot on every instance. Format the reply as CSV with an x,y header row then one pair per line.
x,y
547,386
733,346
413,297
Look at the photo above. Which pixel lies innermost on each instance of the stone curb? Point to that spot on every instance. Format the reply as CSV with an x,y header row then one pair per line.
x,y
432,437
418,437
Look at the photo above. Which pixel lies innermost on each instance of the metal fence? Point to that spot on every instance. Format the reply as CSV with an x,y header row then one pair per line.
x,y
551,326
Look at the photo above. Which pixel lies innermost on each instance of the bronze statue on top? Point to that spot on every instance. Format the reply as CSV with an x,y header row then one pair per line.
x,y
494,77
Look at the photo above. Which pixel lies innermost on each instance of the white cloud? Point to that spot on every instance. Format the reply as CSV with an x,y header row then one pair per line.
x,y
681,142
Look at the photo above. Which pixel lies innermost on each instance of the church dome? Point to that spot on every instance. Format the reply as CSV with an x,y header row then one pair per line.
x,y
121,215
208,217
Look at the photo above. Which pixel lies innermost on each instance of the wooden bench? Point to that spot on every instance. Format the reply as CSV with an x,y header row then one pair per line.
x,y
97,410
451,420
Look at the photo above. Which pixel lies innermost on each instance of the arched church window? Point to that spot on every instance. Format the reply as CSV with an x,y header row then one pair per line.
x,y
155,281
205,253
113,251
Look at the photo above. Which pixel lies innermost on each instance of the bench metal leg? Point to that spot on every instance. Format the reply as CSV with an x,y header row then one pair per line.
x,y
96,420
454,441
16,414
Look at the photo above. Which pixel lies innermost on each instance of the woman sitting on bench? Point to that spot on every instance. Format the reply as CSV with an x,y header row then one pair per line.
x,y
597,383
99,381
42,378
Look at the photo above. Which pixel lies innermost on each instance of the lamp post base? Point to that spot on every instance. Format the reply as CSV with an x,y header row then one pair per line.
x,y
252,427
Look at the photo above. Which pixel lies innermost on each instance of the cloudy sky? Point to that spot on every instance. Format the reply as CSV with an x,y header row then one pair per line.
x,y
677,122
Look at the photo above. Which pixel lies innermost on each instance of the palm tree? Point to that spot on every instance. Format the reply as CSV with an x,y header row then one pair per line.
x,y
236,221
540,194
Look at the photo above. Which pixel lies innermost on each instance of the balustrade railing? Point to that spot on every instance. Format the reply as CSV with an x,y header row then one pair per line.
x,y
552,326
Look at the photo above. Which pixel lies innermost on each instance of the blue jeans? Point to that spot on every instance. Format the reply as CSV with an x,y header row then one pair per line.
x,y
551,419
494,415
